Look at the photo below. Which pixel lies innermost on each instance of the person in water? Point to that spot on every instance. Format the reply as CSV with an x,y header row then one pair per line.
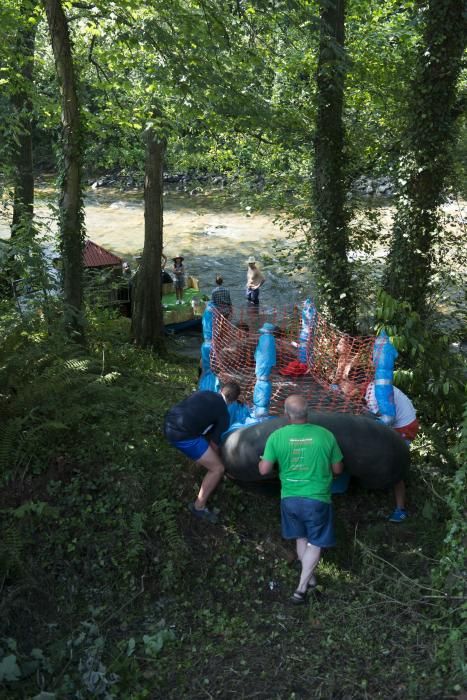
x,y
220,297
254,281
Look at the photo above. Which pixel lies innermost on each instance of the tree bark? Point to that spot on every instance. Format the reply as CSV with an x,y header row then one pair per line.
x,y
432,111
23,202
329,182
71,201
147,314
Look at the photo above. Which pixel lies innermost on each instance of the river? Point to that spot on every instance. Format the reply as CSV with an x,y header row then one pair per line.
x,y
214,236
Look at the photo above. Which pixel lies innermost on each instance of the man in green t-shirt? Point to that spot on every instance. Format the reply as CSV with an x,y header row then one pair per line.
x,y
308,456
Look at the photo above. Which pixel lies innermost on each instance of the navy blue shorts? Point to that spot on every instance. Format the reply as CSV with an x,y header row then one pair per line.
x,y
306,517
193,448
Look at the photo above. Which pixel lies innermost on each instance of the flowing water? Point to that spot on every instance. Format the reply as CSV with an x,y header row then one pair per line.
x,y
215,237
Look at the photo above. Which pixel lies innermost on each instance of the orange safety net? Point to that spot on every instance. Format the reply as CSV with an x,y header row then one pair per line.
x,y
334,377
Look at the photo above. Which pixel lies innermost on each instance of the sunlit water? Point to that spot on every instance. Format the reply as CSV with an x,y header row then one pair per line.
x,y
214,237
213,240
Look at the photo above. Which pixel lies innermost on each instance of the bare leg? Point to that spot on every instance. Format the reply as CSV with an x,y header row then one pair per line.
x,y
399,493
211,461
302,543
301,547
309,561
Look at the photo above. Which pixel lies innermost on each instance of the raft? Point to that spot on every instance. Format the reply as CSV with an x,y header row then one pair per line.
x,y
373,453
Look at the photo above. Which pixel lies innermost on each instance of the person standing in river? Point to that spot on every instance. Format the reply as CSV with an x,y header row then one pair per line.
x,y
220,297
254,280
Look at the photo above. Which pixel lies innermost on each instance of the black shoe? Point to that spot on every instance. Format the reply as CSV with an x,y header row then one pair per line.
x,y
298,598
203,513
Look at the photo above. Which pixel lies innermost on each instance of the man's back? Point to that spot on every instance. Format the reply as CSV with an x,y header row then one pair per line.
x,y
304,453
220,297
195,414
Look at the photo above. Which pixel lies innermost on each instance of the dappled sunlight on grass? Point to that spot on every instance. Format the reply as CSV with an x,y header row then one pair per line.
x,y
180,608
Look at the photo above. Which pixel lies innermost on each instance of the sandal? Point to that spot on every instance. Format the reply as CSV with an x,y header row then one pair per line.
x,y
298,598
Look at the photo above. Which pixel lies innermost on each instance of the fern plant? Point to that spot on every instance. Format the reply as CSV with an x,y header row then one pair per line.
x,y
173,547
11,549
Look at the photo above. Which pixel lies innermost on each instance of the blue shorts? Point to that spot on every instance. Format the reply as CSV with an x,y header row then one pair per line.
x,y
306,517
193,448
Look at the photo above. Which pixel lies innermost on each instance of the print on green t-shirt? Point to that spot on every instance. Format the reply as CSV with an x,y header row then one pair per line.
x,y
304,453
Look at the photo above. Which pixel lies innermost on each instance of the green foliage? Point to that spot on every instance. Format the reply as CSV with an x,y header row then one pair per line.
x,y
449,573
153,643
11,549
98,529
101,565
427,154
173,551
429,367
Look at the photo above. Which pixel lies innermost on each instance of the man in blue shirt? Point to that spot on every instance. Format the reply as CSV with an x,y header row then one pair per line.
x,y
194,426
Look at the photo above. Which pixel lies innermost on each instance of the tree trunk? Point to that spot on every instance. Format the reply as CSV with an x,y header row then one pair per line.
x,y
432,111
147,314
23,202
329,185
71,201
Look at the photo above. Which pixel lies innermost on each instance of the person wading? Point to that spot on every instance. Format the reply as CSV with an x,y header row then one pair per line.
x,y
254,280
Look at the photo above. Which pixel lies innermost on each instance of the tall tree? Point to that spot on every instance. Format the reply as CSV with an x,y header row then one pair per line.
x,y
23,203
147,315
71,200
329,187
432,111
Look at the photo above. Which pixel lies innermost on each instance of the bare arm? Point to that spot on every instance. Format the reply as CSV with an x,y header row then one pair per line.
x,y
337,468
265,467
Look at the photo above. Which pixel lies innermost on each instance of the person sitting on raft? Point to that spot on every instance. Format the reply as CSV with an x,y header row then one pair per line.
x,y
194,426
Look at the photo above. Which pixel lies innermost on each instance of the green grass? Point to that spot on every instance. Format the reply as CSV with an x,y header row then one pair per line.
x,y
106,571
169,300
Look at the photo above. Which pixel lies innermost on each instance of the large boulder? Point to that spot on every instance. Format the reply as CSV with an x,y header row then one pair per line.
x,y
373,453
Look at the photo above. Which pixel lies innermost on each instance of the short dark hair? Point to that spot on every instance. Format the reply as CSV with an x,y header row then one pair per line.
x,y
231,391
219,279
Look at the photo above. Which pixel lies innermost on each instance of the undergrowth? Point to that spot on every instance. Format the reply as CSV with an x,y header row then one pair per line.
x,y
110,589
